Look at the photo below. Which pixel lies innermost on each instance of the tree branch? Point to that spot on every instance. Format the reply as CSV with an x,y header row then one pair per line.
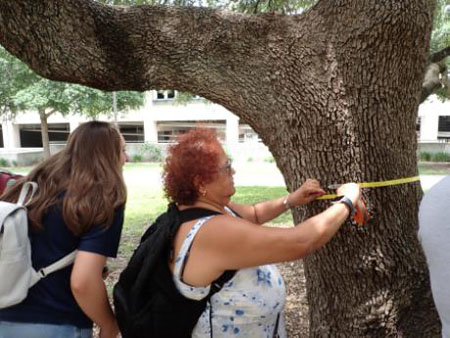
x,y
49,113
222,56
436,73
440,55
86,42
433,79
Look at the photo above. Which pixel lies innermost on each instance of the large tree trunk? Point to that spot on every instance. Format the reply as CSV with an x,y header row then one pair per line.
x,y
44,133
333,93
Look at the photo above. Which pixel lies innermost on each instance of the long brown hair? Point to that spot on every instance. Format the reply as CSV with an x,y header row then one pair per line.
x,y
88,171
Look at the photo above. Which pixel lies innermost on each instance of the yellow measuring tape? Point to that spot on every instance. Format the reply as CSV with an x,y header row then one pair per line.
x,y
372,185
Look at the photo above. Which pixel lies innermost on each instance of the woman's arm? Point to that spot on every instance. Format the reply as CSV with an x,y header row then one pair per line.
x,y
90,293
229,243
265,211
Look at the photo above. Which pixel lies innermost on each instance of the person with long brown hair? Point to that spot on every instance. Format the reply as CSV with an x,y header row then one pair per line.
x,y
79,206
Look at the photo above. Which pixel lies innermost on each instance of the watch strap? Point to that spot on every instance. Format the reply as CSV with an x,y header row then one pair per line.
x,y
347,201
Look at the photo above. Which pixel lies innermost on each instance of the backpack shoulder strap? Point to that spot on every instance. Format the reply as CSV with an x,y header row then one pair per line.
x,y
201,213
36,276
217,285
24,193
195,213
185,249
180,217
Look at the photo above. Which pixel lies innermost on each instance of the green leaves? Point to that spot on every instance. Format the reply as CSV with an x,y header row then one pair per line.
x,y
45,95
440,37
14,76
22,89
264,6
93,102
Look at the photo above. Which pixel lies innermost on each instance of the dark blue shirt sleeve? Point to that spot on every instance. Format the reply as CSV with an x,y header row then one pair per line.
x,y
104,241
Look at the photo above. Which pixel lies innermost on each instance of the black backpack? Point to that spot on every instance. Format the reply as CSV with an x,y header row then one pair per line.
x,y
147,302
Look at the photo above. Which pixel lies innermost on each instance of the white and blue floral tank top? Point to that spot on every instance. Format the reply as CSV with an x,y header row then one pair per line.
x,y
249,305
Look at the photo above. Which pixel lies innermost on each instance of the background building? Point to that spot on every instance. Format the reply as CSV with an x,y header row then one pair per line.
x,y
433,125
160,120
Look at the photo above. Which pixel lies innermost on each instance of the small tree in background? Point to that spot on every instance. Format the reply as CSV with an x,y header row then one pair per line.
x,y
25,90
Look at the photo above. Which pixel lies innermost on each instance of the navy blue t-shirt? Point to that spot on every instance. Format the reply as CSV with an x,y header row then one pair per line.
x,y
50,300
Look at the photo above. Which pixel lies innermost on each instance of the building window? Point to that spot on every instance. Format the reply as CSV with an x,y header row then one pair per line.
x,y
160,95
165,94
247,134
168,131
170,94
418,122
31,136
444,128
132,132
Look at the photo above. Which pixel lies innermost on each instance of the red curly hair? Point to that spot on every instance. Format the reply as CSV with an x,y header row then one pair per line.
x,y
194,157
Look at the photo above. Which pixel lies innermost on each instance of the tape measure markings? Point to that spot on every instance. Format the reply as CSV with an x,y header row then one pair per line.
x,y
372,185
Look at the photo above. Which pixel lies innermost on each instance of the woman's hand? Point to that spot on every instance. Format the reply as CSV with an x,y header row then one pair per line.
x,y
110,332
306,193
351,190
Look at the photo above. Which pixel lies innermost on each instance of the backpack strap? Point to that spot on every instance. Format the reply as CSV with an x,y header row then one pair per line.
x,y
194,213
185,249
218,284
187,215
58,265
24,193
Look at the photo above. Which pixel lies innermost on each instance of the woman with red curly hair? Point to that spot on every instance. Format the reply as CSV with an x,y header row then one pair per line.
x,y
198,174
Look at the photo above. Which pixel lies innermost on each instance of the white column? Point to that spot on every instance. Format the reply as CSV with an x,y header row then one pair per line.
x,y
150,131
74,122
5,134
429,124
232,130
11,134
232,135
150,127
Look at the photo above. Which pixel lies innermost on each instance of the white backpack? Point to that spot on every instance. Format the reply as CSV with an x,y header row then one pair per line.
x,y
16,271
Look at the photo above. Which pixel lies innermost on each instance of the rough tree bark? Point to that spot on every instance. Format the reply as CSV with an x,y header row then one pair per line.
x,y
333,93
